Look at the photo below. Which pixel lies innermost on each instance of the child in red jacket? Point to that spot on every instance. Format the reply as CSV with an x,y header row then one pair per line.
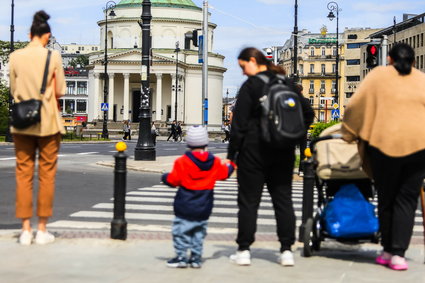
x,y
195,174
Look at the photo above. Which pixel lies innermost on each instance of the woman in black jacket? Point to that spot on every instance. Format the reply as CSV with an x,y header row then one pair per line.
x,y
258,163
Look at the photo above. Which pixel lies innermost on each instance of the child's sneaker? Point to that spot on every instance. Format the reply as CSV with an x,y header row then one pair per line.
x,y
195,262
241,257
287,258
384,258
398,263
26,238
42,238
177,262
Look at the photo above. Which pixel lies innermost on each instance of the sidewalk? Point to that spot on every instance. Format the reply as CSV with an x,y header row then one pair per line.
x,y
143,260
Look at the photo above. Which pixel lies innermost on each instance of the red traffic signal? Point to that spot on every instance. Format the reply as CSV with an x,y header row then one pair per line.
x,y
372,55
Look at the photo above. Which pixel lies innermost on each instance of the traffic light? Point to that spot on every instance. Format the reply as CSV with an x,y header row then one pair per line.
x,y
372,55
191,36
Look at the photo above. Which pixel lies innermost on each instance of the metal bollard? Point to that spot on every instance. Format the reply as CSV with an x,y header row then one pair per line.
x,y
119,224
308,195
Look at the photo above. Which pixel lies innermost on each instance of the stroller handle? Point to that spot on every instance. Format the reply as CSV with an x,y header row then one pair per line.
x,y
319,139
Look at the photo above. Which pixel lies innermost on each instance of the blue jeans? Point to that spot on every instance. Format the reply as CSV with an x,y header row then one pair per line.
x,y
189,234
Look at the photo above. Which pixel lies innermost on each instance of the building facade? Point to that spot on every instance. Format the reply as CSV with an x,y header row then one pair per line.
x,y
316,68
172,19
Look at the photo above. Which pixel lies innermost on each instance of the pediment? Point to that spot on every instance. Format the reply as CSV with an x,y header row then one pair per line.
x,y
131,56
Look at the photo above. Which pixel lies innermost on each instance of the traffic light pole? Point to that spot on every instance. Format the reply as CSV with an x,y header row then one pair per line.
x,y
296,41
8,137
384,50
205,63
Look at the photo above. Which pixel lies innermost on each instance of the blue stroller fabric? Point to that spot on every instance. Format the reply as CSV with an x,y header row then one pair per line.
x,y
350,215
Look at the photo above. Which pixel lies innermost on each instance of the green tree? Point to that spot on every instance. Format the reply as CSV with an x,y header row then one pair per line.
x,y
320,127
4,105
5,49
80,62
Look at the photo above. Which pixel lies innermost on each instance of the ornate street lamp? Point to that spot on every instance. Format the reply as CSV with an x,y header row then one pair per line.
x,y
333,6
145,149
110,5
177,79
8,137
296,42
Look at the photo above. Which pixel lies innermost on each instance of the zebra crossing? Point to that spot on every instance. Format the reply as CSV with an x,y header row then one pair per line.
x,y
151,209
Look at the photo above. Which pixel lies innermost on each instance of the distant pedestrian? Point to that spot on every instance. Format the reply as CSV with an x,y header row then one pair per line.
x,y
385,116
195,174
173,131
226,129
303,140
258,163
154,133
179,132
127,130
26,74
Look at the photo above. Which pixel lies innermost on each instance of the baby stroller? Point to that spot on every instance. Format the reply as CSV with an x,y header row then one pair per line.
x,y
332,164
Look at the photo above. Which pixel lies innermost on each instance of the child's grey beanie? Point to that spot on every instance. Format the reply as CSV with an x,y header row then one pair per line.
x,y
197,136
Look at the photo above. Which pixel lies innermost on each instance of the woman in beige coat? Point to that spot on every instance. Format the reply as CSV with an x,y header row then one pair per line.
x,y
386,114
26,76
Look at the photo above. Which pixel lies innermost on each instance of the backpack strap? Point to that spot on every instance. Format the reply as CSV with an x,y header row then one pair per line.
x,y
264,78
46,72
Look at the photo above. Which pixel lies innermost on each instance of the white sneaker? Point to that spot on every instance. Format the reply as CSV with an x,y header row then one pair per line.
x,y
241,257
287,258
26,238
42,238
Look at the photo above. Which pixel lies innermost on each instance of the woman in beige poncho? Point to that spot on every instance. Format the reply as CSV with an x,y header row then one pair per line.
x,y
387,116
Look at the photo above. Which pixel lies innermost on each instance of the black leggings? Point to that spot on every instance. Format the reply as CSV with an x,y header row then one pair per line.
x,y
398,182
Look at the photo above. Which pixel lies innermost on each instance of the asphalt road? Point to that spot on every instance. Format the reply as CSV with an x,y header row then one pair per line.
x,y
80,183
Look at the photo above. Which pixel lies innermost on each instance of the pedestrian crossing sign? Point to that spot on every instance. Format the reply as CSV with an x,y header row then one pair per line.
x,y
335,114
104,106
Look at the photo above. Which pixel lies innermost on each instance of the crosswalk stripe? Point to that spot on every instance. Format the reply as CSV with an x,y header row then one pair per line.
x,y
155,205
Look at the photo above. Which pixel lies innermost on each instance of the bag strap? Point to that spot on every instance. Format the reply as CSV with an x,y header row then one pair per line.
x,y
46,72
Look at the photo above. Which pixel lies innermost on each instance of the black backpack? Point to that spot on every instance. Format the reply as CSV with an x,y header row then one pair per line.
x,y
282,120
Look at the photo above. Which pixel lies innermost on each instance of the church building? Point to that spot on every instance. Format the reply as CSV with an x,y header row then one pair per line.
x,y
171,21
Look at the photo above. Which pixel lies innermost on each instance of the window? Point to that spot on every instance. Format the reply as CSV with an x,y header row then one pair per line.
x,y
301,69
311,98
417,62
323,69
334,51
312,51
322,86
311,68
60,103
323,51
333,89
353,78
70,87
322,116
353,62
69,105
311,88
422,39
81,88
0,65
81,106
414,42
417,40
352,36
333,68
422,61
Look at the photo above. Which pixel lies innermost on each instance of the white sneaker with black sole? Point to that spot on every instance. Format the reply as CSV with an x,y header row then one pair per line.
x,y
241,257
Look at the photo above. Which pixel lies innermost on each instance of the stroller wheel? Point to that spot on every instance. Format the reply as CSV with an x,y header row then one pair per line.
x,y
308,238
316,236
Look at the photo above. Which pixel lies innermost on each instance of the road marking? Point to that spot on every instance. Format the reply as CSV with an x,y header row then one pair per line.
x,y
87,153
7,158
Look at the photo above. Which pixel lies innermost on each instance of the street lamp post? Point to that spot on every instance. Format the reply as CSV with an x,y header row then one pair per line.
x,y
296,41
110,5
177,79
333,6
8,137
145,149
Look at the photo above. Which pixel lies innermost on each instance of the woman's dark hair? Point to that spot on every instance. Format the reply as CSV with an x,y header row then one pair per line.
x,y
39,24
261,59
403,57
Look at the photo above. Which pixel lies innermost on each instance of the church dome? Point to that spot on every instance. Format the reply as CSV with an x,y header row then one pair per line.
x,y
188,4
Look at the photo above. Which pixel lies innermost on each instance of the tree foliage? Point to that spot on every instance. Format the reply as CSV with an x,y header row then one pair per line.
x,y
320,127
4,106
5,49
79,62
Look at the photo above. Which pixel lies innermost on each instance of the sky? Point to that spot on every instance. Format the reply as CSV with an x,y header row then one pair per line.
x,y
240,23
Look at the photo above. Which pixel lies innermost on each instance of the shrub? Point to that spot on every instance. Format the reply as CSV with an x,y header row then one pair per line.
x,y
319,127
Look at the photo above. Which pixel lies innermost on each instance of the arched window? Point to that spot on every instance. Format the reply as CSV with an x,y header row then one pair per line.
x,y
323,51
312,51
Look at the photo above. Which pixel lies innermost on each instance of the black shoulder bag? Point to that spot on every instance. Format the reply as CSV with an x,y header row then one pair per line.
x,y
28,112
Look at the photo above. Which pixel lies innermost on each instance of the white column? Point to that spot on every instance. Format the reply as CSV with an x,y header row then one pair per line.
x,y
181,109
126,98
173,96
96,103
111,96
158,96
